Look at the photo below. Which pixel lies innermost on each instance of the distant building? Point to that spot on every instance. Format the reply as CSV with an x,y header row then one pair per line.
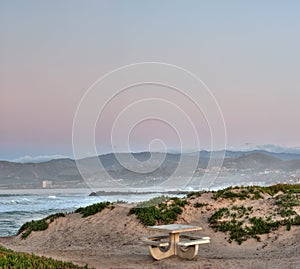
x,y
47,184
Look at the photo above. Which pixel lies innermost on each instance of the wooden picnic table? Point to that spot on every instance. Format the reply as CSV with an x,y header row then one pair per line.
x,y
174,241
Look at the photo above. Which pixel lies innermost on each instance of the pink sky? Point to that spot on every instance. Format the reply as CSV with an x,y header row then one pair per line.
x,y
247,53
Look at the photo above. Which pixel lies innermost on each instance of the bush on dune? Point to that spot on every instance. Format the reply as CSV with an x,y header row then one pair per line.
x,y
237,220
163,213
37,225
92,209
43,224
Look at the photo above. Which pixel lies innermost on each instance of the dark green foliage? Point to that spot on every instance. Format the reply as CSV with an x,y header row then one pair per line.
x,y
272,190
261,226
147,215
92,209
288,224
287,200
241,211
239,231
197,205
163,213
256,195
296,220
26,234
218,215
34,225
287,212
178,202
285,203
233,194
194,194
37,225
13,260
55,216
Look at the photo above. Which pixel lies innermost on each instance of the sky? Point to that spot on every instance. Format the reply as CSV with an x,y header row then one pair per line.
x,y
51,52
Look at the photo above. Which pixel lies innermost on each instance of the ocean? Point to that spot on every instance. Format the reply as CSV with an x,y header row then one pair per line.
x,y
20,206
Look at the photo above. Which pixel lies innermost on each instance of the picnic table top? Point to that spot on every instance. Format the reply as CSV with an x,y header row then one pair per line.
x,y
176,228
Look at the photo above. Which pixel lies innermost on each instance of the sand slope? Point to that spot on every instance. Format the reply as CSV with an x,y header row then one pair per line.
x,y
110,239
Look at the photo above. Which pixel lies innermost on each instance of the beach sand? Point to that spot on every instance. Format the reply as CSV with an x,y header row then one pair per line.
x,y
111,239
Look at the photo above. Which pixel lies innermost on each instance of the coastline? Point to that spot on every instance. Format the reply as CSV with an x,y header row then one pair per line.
x,y
111,239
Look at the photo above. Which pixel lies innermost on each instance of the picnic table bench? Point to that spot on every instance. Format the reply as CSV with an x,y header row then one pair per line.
x,y
176,241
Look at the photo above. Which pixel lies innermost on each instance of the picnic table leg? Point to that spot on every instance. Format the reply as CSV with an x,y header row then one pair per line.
x,y
189,252
159,253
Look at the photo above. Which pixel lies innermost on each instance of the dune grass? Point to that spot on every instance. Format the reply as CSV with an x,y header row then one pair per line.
x,y
14,260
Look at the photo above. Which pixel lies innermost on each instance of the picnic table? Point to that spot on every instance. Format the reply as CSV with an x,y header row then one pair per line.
x,y
174,241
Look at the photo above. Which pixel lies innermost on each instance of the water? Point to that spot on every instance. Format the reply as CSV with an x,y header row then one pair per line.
x,y
22,206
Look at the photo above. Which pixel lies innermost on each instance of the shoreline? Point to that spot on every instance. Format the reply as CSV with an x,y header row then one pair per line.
x,y
111,238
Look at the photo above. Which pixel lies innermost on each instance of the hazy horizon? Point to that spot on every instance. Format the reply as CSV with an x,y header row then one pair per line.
x,y
247,148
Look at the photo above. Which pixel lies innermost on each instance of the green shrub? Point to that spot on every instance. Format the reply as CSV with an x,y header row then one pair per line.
x,y
26,234
286,212
34,225
255,192
237,229
197,205
227,193
37,225
55,216
194,194
256,195
92,209
296,220
261,226
224,211
287,200
163,213
274,189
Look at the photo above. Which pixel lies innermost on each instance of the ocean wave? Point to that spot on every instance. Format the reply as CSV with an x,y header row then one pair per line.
x,y
24,201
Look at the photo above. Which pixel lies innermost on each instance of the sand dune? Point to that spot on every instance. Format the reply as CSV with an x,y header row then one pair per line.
x,y
111,239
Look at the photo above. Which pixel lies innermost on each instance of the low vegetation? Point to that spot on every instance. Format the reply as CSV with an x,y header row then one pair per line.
x,y
13,260
38,225
92,209
43,224
195,194
198,205
153,201
239,222
254,192
162,213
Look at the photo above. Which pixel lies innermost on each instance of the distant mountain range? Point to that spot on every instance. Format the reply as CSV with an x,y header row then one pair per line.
x,y
64,172
285,156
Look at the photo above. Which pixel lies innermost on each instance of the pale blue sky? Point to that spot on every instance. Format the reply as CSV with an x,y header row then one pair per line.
x,y
247,52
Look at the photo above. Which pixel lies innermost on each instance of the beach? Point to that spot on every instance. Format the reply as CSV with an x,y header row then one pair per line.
x,y
111,239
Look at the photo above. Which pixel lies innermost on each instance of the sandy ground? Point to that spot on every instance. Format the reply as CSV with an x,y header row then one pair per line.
x,y
111,239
